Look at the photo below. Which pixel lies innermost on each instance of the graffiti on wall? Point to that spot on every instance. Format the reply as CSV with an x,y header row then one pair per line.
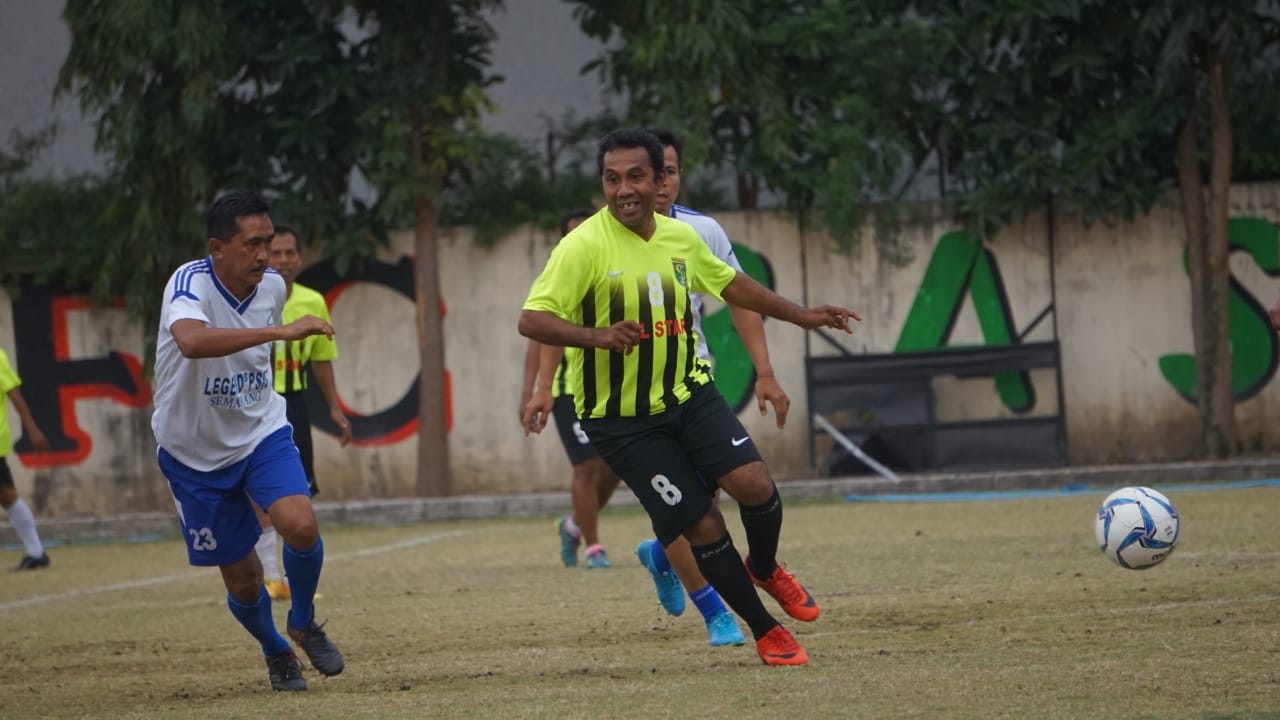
x,y
54,381
399,421
1254,350
962,268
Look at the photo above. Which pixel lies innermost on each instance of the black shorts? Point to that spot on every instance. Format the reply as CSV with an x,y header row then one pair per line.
x,y
6,477
295,403
576,444
673,460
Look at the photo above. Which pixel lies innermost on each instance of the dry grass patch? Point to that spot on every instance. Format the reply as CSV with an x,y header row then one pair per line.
x,y
994,609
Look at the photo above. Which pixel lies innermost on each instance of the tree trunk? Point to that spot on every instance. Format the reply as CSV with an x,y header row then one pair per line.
x,y
1206,229
434,477
1220,434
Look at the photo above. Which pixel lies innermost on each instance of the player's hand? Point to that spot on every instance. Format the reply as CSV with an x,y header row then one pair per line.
x,y
344,425
828,316
526,394
306,326
769,391
536,411
1274,314
38,440
622,336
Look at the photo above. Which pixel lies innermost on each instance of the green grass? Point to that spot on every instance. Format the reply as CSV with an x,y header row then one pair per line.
x,y
1000,609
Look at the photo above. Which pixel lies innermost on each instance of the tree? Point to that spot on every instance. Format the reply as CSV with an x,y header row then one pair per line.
x,y
1098,106
423,67
297,98
827,103
1107,106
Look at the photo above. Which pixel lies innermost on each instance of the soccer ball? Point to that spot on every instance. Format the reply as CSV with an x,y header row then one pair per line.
x,y
1136,527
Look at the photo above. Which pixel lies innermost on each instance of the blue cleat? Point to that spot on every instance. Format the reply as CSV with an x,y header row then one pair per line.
x,y
596,558
722,629
568,544
670,591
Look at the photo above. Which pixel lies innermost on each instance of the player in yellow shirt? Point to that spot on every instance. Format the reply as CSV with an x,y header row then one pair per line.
x,y
292,364
618,286
20,515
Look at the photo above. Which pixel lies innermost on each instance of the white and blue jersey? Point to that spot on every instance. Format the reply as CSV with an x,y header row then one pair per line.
x,y
716,239
210,413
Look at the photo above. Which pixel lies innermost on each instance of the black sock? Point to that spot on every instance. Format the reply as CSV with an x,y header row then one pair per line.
x,y
721,564
763,524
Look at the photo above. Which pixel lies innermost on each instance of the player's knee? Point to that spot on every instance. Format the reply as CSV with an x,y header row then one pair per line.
x,y
749,484
302,534
708,529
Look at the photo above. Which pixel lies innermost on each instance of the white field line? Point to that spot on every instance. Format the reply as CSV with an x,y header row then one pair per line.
x,y
160,580
1090,612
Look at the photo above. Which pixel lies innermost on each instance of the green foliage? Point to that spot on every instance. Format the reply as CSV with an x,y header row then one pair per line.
x,y
840,104
827,102
1082,100
47,228
301,99
507,184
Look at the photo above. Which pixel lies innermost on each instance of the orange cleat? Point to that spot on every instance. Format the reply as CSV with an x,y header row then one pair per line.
x,y
778,647
278,589
790,594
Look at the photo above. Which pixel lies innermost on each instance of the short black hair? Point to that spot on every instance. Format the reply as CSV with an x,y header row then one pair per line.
x,y
221,220
572,215
666,137
284,229
631,138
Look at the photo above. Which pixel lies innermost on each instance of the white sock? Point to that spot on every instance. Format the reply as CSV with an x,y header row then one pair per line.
x,y
572,526
24,523
266,548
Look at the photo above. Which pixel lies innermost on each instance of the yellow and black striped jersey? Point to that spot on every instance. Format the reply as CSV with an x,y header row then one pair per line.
x,y
602,273
290,359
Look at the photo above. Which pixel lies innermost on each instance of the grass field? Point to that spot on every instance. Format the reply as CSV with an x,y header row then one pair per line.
x,y
989,609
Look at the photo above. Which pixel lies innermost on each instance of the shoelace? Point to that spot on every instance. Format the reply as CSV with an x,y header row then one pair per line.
x,y
783,643
786,585
286,667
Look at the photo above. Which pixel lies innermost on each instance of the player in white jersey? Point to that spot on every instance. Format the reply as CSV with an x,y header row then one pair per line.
x,y
674,565
222,433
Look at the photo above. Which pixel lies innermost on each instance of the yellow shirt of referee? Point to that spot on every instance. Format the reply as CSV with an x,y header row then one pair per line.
x,y
291,359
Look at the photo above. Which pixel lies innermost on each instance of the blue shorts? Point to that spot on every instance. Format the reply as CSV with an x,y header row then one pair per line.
x,y
218,521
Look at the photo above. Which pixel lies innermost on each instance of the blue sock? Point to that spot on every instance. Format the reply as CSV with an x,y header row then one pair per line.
x,y
303,570
708,602
658,557
256,618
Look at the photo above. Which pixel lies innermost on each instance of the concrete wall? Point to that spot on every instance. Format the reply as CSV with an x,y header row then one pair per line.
x,y
1120,291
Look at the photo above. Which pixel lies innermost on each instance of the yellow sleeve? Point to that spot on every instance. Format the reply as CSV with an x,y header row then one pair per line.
x,y
565,280
8,378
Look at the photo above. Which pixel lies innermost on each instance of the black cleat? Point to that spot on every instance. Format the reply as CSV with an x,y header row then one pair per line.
x,y
285,672
33,563
320,650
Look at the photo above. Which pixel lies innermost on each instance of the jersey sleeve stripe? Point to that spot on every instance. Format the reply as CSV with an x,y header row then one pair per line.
x,y
182,284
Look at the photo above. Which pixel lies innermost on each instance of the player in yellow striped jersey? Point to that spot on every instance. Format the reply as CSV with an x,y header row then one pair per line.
x,y
619,287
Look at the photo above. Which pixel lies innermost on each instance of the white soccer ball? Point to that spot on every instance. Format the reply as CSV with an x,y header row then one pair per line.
x,y
1137,527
